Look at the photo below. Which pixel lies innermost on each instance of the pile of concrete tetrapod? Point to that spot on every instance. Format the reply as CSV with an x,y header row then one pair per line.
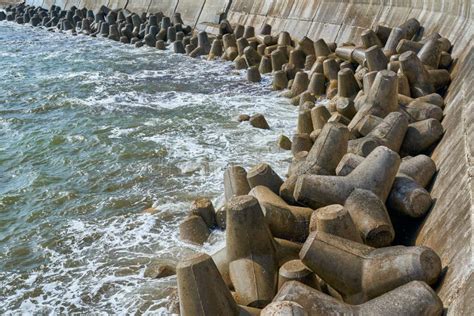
x,y
320,241
359,161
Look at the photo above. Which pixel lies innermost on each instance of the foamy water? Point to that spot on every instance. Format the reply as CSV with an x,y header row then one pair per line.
x,y
92,133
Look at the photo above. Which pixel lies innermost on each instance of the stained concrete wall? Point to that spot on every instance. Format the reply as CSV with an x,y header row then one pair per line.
x,y
113,4
166,6
61,3
73,3
448,229
36,3
46,3
190,10
138,6
211,10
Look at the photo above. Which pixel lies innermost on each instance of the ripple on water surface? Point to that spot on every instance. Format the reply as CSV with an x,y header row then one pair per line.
x,y
92,133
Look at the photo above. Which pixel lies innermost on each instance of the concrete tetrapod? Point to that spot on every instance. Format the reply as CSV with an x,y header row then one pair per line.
x,y
347,89
300,84
194,230
251,252
319,116
317,84
322,159
202,290
418,77
430,53
347,84
390,133
382,98
371,218
376,60
396,35
300,142
348,163
421,135
408,195
368,124
295,270
235,182
263,174
285,251
203,207
253,74
413,298
318,66
360,273
336,220
305,124
421,168
419,111
283,308
285,221
376,174
280,80
309,62
259,121
369,39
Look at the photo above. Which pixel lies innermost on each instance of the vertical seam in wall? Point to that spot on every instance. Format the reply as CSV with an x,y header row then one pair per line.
x,y
199,15
149,5
378,15
314,17
227,8
176,6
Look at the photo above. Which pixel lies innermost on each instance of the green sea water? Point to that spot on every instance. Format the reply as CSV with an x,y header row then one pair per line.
x,y
93,132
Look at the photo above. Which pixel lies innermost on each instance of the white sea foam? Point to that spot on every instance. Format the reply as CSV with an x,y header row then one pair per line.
x,y
96,263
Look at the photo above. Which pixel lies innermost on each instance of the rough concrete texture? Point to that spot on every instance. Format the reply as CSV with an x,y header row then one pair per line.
x,y
190,10
448,229
211,11
95,5
46,3
138,6
165,6
414,298
116,4
36,3
60,3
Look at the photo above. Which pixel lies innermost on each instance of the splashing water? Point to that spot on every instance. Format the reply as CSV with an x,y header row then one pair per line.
x,y
92,132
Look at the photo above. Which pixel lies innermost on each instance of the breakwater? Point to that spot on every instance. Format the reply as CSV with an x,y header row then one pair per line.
x,y
454,252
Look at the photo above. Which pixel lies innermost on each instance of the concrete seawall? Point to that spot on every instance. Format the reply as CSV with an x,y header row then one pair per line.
x,y
448,229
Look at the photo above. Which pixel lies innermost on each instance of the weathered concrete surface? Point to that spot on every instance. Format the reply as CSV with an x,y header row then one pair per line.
x,y
211,9
190,10
61,3
138,6
448,229
36,3
46,3
113,4
4,3
165,6
71,3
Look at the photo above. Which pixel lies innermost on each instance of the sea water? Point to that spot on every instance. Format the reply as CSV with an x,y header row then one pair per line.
x,y
94,132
